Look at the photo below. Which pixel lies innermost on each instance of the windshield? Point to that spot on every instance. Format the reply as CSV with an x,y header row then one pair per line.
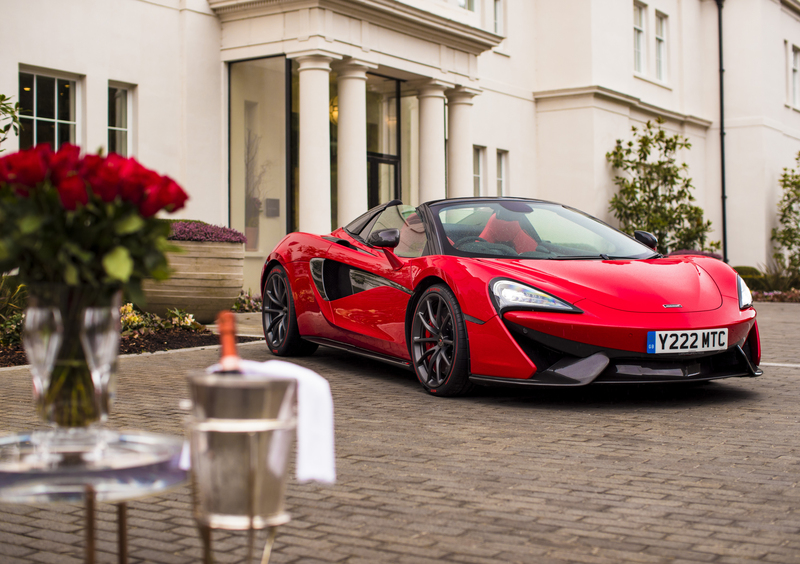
x,y
531,230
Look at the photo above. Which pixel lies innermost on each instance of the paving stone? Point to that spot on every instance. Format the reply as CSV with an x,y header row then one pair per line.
x,y
594,475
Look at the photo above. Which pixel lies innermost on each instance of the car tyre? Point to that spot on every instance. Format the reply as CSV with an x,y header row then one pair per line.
x,y
278,317
439,349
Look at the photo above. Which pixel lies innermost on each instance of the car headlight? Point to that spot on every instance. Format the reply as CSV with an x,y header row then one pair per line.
x,y
508,294
745,297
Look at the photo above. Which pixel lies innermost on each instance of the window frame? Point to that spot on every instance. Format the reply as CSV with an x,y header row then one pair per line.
x,y
478,170
502,172
499,15
468,5
639,38
129,89
33,119
662,54
795,76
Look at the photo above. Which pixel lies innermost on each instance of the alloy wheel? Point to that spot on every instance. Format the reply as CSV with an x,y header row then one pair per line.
x,y
433,340
275,309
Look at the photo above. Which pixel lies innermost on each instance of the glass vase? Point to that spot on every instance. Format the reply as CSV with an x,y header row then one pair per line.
x,y
71,337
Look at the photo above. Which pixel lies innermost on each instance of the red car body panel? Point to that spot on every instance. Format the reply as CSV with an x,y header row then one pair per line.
x,y
619,302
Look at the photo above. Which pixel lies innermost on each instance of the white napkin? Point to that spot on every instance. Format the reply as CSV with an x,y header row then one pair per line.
x,y
315,452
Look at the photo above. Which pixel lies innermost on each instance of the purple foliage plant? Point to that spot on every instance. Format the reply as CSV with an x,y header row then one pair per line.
x,y
201,231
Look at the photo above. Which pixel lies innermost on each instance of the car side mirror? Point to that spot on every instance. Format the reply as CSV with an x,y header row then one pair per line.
x,y
385,238
646,238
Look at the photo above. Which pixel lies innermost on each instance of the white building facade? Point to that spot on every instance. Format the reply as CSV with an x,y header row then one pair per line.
x,y
282,115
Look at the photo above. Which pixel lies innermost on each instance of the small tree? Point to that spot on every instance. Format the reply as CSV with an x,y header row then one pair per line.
x,y
8,112
655,194
786,238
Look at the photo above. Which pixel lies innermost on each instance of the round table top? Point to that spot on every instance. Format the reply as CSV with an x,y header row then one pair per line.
x,y
59,465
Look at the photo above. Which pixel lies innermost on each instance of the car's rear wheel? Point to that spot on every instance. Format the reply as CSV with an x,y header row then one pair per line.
x,y
439,343
279,319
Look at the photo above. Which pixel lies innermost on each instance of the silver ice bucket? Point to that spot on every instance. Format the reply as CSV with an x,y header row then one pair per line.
x,y
241,430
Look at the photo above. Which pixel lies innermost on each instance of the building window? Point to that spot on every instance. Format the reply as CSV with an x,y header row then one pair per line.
x,y
467,4
796,77
47,110
638,38
477,170
118,129
498,17
502,173
661,47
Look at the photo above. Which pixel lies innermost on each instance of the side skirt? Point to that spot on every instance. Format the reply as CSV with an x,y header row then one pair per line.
x,y
361,352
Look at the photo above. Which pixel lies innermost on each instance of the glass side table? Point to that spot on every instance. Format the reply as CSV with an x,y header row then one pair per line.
x,y
90,466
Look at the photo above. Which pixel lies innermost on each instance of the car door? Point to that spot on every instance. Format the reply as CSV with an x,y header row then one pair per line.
x,y
368,292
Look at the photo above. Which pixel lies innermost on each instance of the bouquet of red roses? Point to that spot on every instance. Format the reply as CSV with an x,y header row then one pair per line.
x,y
84,221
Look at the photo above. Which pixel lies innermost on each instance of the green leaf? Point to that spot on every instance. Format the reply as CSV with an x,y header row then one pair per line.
x,y
84,255
71,274
129,224
118,264
30,224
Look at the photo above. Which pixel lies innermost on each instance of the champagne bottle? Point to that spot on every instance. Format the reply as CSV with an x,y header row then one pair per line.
x,y
226,325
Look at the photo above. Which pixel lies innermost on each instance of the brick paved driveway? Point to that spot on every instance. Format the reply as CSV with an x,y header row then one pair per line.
x,y
653,474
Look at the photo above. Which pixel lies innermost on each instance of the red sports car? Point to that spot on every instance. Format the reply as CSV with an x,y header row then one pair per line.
x,y
508,291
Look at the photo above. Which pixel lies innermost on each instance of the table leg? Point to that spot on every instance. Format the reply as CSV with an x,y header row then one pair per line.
x,y
122,532
268,547
90,499
205,536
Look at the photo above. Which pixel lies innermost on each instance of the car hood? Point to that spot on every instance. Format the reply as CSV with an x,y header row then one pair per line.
x,y
644,286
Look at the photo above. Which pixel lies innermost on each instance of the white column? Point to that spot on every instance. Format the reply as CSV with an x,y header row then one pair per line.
x,y
315,144
431,141
459,143
352,146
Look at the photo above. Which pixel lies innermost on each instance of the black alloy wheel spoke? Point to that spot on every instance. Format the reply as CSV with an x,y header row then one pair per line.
x,y
277,320
275,292
430,329
426,340
432,317
424,355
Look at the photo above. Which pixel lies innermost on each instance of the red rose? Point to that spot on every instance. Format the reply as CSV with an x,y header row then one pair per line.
x,y
72,191
171,195
64,162
28,167
103,176
166,194
133,180
150,205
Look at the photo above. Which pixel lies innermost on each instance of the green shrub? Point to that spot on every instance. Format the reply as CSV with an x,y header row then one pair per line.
x,y
655,194
786,238
778,278
13,299
11,330
752,276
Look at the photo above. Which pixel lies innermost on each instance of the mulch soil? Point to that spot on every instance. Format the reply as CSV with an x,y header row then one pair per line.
x,y
153,342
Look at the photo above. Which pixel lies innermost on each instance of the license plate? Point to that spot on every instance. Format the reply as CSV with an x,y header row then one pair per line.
x,y
659,342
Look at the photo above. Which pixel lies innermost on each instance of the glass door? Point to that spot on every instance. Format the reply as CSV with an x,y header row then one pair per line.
x,y
383,139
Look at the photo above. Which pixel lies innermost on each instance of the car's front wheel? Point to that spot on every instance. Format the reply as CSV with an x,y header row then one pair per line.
x,y
278,317
439,343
